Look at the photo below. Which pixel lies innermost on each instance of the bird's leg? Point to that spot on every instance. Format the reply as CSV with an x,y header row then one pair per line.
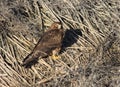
x,y
55,55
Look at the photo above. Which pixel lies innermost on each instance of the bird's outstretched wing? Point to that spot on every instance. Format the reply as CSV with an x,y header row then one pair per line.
x,y
48,42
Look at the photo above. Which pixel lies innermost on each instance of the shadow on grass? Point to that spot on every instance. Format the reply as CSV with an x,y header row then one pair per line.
x,y
71,37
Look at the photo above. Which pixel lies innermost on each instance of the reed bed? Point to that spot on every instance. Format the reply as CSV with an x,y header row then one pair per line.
x,y
91,47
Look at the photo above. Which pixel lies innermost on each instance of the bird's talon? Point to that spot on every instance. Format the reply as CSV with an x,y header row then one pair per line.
x,y
55,57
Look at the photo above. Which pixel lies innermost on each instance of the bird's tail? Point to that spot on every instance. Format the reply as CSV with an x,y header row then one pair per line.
x,y
30,60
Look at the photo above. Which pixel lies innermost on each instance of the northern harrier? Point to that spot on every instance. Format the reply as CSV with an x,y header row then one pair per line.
x,y
49,45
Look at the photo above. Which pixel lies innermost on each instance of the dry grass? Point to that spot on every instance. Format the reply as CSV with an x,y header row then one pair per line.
x,y
93,60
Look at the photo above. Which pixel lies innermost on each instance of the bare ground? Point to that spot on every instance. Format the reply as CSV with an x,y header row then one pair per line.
x,y
91,51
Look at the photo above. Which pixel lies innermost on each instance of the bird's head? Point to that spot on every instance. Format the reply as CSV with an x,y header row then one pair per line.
x,y
56,25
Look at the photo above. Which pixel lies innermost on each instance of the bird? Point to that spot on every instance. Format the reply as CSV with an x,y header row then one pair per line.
x,y
49,44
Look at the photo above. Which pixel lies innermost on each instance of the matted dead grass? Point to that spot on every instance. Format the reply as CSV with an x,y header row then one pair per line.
x,y
91,51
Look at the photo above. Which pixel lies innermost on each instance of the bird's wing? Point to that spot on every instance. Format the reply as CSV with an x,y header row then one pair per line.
x,y
49,41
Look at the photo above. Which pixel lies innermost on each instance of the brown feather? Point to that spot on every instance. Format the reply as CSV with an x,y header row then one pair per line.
x,y
50,40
